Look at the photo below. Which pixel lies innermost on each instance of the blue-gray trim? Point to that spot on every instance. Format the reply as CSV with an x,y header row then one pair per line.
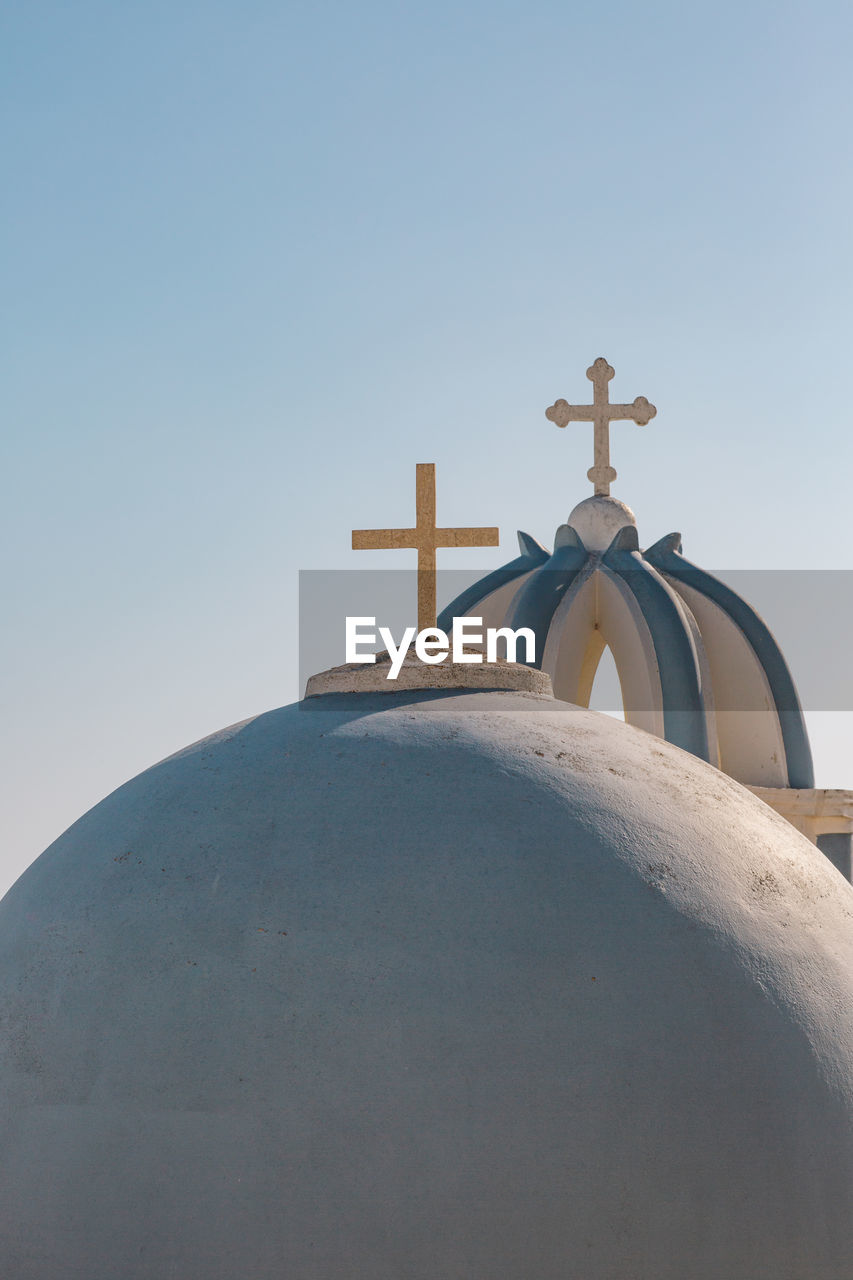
x,y
684,716
666,556
532,554
542,593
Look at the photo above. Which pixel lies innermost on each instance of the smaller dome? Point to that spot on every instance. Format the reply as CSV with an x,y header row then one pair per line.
x,y
598,519
696,664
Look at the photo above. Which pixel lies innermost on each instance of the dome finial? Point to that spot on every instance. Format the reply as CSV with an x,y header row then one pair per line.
x,y
601,413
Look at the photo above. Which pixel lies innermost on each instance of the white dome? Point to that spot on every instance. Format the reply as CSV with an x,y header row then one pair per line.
x,y
428,986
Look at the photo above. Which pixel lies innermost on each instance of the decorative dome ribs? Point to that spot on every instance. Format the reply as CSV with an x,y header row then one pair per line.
x,y
696,664
532,555
666,556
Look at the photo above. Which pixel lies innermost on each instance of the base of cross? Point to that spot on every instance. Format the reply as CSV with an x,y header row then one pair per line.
x,y
602,478
359,677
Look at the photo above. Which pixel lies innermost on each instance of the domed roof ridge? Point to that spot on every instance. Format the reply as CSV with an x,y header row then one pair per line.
x,y
672,638
566,536
627,539
786,702
538,599
669,542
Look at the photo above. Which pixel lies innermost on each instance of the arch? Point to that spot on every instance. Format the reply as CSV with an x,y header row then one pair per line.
x,y
605,693
597,612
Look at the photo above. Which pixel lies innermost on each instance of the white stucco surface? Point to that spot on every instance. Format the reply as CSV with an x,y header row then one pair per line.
x,y
464,986
598,519
373,677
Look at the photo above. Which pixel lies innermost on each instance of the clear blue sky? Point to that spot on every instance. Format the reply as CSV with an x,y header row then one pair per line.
x,y
258,259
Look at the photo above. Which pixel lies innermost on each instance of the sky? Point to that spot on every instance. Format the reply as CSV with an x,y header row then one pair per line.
x,y
260,259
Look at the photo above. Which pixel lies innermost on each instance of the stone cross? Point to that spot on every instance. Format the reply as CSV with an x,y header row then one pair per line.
x,y
601,412
425,537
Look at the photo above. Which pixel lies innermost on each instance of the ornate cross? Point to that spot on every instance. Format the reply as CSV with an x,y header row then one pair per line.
x,y
425,537
601,412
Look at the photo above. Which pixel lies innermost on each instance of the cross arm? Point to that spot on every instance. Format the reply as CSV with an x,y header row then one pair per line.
x,y
640,411
383,539
483,537
562,413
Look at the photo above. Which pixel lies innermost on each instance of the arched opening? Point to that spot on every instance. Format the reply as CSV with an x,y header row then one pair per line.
x,y
606,692
603,612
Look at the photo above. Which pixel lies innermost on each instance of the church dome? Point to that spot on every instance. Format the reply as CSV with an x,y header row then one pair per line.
x,y
428,985
697,665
